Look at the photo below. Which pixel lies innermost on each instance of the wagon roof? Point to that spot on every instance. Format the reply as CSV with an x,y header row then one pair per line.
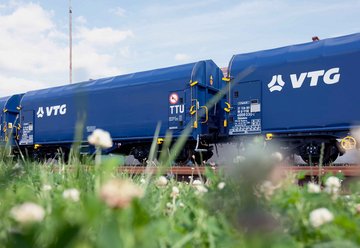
x,y
295,53
138,78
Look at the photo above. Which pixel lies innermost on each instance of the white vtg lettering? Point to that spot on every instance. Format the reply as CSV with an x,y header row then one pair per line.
x,y
55,110
52,111
331,76
177,109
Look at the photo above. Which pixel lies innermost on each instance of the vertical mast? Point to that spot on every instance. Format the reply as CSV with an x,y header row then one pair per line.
x,y
70,42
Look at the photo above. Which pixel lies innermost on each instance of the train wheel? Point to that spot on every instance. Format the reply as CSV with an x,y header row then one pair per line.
x,y
331,153
184,157
141,153
200,157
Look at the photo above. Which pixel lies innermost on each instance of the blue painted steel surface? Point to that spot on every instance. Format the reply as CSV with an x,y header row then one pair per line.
x,y
128,106
2,102
308,87
10,116
2,116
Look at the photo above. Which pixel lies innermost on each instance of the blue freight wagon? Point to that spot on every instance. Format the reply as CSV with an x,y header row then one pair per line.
x,y
9,118
129,107
2,107
302,95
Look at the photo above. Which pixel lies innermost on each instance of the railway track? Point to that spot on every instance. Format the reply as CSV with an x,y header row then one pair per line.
x,y
346,170
176,170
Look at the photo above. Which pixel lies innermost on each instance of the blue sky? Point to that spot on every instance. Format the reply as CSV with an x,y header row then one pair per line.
x,y
117,37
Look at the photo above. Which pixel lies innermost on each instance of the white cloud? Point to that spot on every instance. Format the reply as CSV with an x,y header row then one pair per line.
x,y
81,20
182,57
102,36
14,85
28,19
118,11
34,50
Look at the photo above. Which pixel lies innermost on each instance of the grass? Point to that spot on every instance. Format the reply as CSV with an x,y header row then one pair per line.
x,y
139,211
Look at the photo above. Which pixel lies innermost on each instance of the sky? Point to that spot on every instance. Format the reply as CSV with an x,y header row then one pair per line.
x,y
117,37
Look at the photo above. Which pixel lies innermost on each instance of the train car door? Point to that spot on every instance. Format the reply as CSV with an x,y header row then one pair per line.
x,y
27,123
245,114
2,124
177,110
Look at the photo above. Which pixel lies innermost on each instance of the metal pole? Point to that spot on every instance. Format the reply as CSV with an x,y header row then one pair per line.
x,y
70,42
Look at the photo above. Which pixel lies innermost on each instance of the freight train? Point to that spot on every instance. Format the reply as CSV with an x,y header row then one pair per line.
x,y
304,97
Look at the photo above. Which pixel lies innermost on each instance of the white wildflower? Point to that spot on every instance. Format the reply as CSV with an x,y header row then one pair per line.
x,y
120,193
221,185
28,212
200,189
72,195
313,188
100,138
320,216
332,185
267,188
46,187
277,156
175,192
161,181
142,181
197,182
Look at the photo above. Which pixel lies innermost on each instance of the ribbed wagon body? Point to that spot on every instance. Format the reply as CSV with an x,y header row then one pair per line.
x,y
128,106
304,94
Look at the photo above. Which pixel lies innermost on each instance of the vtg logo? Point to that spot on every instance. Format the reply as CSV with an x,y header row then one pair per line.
x,y
331,76
51,111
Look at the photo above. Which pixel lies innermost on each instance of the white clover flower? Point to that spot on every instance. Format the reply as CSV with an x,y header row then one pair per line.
x,y
46,187
28,212
120,193
221,185
267,188
175,192
332,185
313,188
72,195
142,181
197,182
100,138
277,156
320,216
200,189
161,181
